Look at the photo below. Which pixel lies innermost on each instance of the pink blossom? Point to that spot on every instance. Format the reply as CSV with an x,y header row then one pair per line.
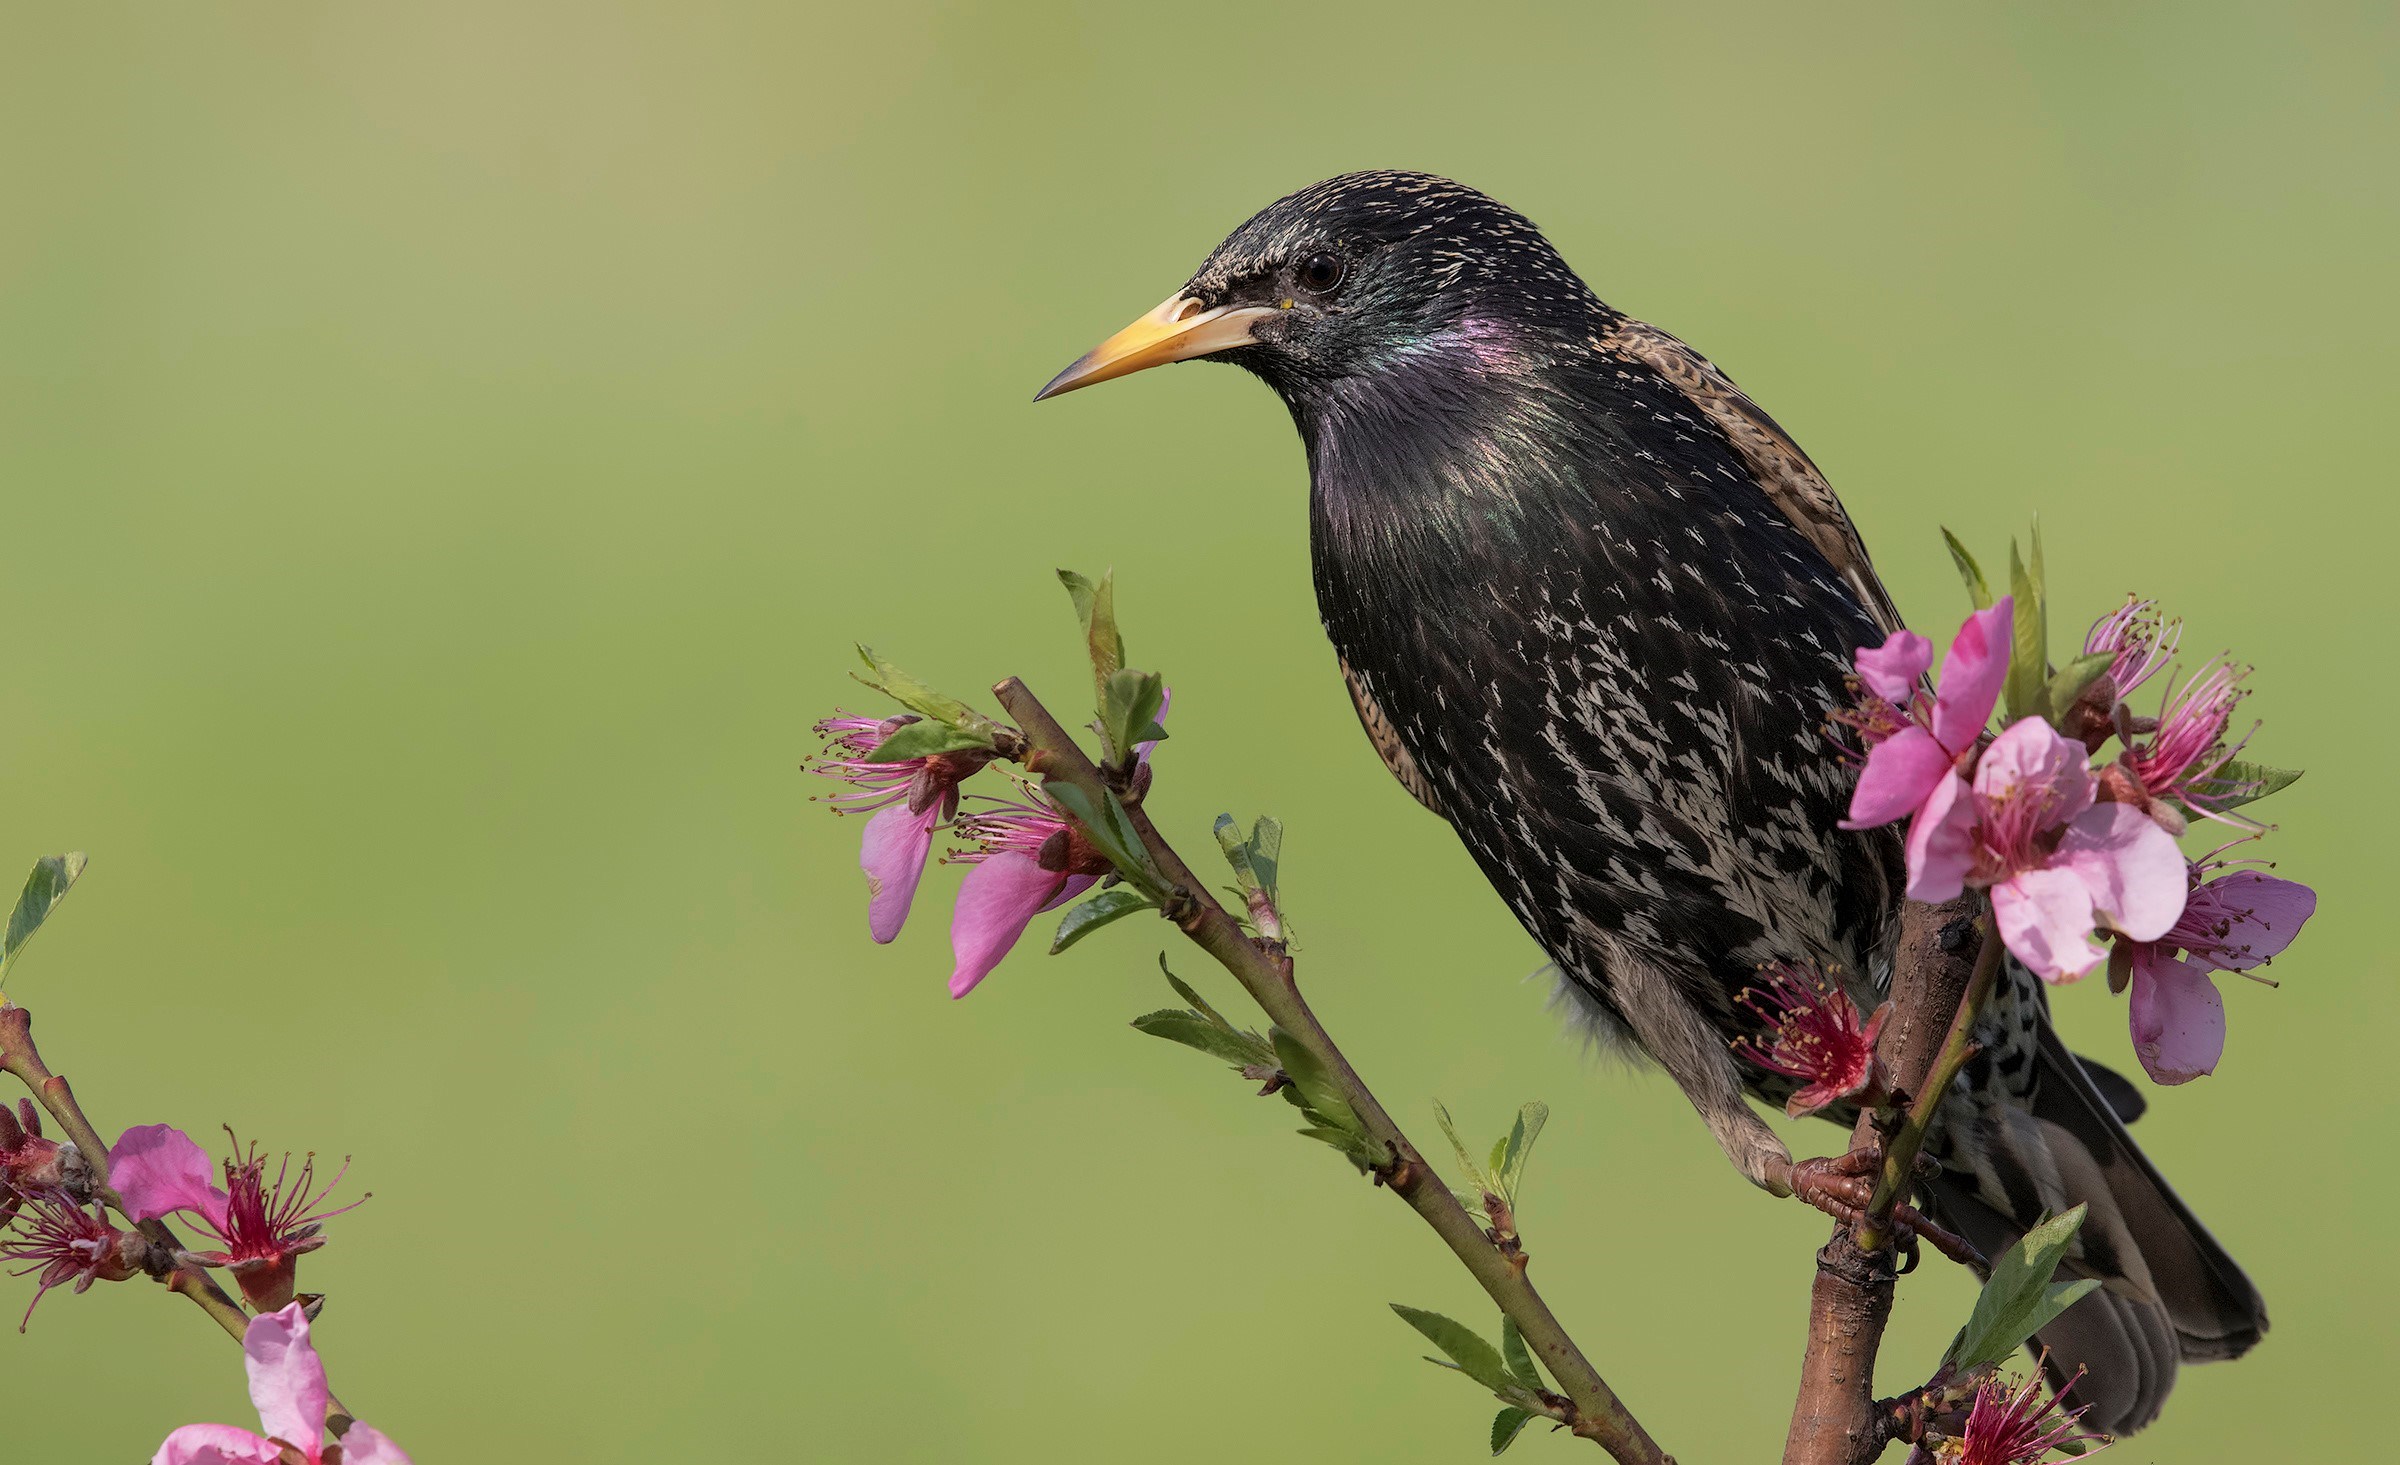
x,y
1814,1034
2017,1426
1030,858
1909,763
59,1239
909,798
29,1162
2140,641
2181,758
2234,922
287,1385
262,1229
2056,863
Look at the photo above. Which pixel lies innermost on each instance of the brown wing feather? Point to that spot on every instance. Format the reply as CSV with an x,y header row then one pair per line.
x,y
1792,482
1386,739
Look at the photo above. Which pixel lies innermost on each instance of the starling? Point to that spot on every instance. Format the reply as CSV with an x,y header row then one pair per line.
x,y
1593,606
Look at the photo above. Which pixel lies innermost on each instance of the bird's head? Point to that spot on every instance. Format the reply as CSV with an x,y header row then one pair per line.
x,y
1348,277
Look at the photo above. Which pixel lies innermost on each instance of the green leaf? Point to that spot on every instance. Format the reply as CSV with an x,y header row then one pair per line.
x,y
1237,851
1505,1427
53,876
914,695
2072,681
1130,702
1109,905
1266,855
1195,1031
1475,1175
1972,573
1519,1358
2029,648
1510,1167
923,739
1314,1082
2020,1297
1104,820
2237,782
1466,1348
1096,608
1199,1003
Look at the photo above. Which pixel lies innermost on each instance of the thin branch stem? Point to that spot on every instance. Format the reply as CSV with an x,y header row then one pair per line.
x,y
19,1056
1264,969
1958,1045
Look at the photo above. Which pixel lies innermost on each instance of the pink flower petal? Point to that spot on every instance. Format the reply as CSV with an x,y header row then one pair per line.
x,y
1891,670
2131,867
1971,676
2045,918
1941,842
995,901
2029,757
893,855
216,1444
287,1382
1901,773
2276,910
2178,1019
1074,885
157,1170
367,1446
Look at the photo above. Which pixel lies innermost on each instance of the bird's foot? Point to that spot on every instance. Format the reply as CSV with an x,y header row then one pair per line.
x,y
1842,1186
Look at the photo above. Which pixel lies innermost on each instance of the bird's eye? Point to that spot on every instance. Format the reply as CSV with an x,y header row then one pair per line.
x,y
1321,271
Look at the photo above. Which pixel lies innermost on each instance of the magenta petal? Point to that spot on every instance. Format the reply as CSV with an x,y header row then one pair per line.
x,y
364,1445
995,901
2178,1020
1971,676
1073,886
1941,842
1901,772
893,855
2045,918
2273,910
1891,670
287,1382
2131,867
157,1170
216,1444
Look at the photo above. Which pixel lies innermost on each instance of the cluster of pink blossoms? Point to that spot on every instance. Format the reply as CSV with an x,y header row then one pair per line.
x,y
2074,855
1027,855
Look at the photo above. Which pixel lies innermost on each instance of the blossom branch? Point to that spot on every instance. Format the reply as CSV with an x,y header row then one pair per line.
x,y
1835,1420
20,1057
1263,966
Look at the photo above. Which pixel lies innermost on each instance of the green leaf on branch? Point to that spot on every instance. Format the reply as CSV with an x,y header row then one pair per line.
x,y
1130,702
1111,831
2071,682
1506,1425
1112,904
924,739
1314,1083
1096,608
1517,1356
1466,1348
1476,1178
1205,1028
1972,573
53,876
2029,644
916,696
2020,1299
1256,858
2237,782
1508,1156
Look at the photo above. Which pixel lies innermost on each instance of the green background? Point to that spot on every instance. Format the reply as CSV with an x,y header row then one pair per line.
x,y
450,449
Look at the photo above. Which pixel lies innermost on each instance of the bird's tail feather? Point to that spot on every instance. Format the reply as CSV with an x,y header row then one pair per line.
x,y
2169,1294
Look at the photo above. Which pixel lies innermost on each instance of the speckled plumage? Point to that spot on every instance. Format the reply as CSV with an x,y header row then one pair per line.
x,y
1593,606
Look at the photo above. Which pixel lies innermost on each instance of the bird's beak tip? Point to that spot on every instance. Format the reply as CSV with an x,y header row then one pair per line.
x,y
1178,330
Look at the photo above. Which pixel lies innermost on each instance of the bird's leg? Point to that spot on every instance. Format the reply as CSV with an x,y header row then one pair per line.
x,y
1841,1186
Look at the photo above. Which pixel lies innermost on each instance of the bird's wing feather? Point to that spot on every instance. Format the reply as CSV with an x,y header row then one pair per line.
x,y
1792,483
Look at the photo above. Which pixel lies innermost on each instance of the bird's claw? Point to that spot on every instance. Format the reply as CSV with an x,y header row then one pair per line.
x,y
1842,1186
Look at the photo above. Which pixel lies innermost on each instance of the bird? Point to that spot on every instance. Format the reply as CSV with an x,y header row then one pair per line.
x,y
1592,606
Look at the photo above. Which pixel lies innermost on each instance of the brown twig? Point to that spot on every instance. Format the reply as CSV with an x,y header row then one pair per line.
x,y
1943,951
1264,968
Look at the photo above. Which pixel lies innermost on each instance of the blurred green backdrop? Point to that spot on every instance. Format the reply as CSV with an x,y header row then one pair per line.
x,y
450,449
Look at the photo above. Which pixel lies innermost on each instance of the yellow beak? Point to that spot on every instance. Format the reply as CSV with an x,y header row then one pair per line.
x,y
1178,330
